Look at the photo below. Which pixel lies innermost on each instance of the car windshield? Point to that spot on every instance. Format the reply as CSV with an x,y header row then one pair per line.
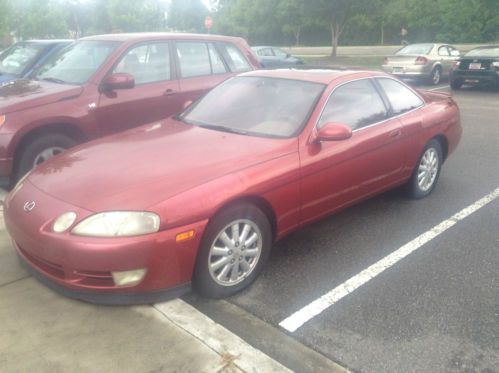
x,y
14,60
76,63
484,52
415,49
256,106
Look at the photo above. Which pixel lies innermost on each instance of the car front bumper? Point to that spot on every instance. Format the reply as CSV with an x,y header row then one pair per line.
x,y
81,267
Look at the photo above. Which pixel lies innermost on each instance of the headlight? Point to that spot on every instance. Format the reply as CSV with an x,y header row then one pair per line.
x,y
64,221
3,118
118,224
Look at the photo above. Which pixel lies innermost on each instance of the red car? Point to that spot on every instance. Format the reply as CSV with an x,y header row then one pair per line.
x,y
201,197
104,84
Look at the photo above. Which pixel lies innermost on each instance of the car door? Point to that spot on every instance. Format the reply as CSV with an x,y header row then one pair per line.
x,y
200,66
154,97
337,173
445,59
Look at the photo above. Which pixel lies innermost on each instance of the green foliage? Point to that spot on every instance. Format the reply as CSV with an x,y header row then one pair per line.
x,y
187,15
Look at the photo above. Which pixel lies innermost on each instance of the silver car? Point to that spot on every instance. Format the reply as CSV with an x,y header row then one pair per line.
x,y
427,61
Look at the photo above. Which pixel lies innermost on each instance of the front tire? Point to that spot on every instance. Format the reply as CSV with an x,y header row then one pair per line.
x,y
427,171
233,251
40,149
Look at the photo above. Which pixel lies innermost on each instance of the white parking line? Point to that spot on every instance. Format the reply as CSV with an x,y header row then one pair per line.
x,y
219,339
297,319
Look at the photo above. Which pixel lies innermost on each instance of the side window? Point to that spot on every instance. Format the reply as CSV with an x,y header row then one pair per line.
x,y
217,64
194,59
147,63
279,53
235,59
356,104
443,51
454,52
401,98
265,52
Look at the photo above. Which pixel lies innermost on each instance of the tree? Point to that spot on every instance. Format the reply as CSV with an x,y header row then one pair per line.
x,y
187,15
333,14
294,15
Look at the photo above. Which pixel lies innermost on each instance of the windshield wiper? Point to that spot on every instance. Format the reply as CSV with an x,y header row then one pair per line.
x,y
54,80
223,128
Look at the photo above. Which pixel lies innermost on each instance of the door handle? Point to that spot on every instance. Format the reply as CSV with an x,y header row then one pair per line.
x,y
169,92
395,133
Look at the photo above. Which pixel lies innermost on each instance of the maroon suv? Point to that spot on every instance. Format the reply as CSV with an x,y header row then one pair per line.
x,y
109,83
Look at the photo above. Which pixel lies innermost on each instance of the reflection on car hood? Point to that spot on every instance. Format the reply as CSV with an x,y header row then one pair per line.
x,y
139,168
22,94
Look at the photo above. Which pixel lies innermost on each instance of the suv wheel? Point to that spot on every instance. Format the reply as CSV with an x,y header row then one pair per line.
x,y
40,149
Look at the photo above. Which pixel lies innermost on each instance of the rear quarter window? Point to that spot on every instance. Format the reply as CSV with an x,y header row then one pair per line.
x,y
401,98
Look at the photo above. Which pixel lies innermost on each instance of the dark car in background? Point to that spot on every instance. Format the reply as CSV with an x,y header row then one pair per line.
x,y
104,84
427,61
272,57
480,66
19,60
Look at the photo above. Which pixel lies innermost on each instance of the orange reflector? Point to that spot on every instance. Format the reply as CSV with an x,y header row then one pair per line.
x,y
185,235
2,119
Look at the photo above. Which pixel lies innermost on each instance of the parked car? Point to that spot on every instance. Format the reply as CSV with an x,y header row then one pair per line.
x,y
104,84
430,62
202,196
479,66
23,57
272,58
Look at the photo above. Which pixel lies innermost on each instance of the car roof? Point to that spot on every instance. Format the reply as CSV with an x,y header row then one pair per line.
x,y
323,76
145,36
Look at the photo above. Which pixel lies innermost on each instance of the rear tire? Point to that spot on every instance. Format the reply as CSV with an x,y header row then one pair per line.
x,y
427,171
435,76
40,149
456,84
228,260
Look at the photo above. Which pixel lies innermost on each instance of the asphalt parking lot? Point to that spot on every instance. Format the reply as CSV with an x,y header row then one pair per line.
x,y
436,309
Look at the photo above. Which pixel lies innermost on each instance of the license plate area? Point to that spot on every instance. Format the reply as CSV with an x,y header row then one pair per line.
x,y
397,70
475,66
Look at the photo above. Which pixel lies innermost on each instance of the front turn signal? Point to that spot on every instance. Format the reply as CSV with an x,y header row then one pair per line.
x,y
3,118
185,235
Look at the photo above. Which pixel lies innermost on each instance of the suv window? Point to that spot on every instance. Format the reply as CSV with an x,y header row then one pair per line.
x,y
234,57
356,104
147,63
194,59
401,98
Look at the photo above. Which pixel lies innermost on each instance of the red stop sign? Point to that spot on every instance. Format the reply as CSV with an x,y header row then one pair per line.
x,y
208,22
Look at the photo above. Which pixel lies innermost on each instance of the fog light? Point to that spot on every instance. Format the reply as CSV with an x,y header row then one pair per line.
x,y
127,278
64,221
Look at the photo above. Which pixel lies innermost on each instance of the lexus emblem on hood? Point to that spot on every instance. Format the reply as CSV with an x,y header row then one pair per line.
x,y
30,205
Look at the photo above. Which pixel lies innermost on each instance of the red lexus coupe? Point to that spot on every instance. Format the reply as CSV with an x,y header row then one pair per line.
x,y
200,198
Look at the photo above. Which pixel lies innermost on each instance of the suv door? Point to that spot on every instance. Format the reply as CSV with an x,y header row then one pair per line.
x,y
336,173
154,97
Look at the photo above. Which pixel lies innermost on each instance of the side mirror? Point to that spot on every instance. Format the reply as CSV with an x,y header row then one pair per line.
x,y
333,132
118,81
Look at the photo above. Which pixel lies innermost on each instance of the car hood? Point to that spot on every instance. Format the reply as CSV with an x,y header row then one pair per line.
x,y
23,94
142,167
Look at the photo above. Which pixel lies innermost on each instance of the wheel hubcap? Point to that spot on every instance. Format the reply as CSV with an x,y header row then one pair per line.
x,y
235,252
47,154
436,76
428,169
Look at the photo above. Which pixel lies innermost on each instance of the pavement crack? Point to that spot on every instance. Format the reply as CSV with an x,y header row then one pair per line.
x,y
14,281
